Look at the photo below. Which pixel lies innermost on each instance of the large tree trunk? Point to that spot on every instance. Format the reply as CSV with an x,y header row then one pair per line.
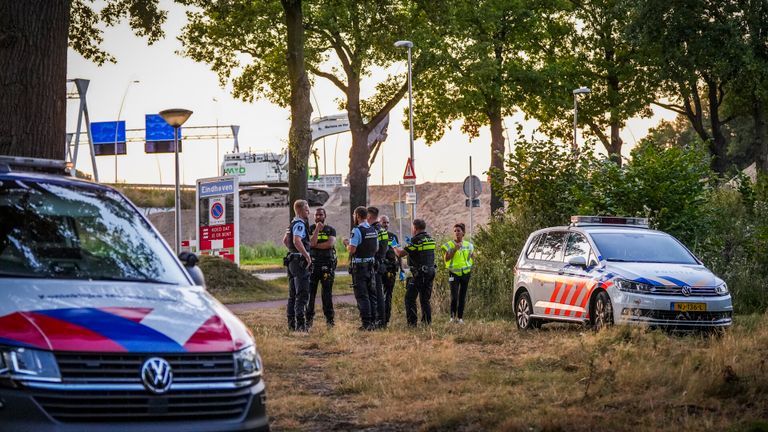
x,y
33,73
614,148
497,153
300,135
359,153
718,145
760,146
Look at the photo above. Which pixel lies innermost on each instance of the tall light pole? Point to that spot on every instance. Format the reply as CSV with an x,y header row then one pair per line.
x,y
117,124
176,117
576,93
409,45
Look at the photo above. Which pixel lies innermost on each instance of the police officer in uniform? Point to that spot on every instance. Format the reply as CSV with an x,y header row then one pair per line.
x,y
362,248
299,263
392,266
322,241
379,307
421,260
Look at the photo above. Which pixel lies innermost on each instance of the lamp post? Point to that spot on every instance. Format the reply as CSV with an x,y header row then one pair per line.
x,y
409,45
576,93
117,124
176,117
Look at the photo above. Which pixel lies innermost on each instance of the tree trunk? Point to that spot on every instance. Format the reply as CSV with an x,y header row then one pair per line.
x,y
614,149
300,135
760,146
718,145
33,73
497,153
359,153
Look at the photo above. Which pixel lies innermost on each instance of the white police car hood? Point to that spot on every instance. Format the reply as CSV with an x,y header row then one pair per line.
x,y
660,274
112,316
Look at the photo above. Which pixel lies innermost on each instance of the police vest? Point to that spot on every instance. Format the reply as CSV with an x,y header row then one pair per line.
x,y
421,253
390,259
304,240
368,244
461,262
383,239
323,255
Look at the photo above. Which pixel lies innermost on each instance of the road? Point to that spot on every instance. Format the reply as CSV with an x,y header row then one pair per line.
x,y
273,304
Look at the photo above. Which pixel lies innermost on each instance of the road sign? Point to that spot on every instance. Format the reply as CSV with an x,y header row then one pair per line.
x,y
402,210
218,217
473,187
410,197
475,202
410,173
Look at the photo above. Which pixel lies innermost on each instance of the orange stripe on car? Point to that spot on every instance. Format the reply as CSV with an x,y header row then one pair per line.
x,y
579,288
586,298
564,296
554,295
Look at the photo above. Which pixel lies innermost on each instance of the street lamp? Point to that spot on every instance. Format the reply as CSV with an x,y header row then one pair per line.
x,y
176,117
117,124
409,45
576,93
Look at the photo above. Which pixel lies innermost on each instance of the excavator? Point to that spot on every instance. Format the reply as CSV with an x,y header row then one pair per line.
x,y
264,176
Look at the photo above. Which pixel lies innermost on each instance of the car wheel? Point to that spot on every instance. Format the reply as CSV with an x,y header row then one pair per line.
x,y
523,312
602,311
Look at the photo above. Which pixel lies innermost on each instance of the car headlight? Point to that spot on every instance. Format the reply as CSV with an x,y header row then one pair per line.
x,y
247,363
722,289
28,364
634,287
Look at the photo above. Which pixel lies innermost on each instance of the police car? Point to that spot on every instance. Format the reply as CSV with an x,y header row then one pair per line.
x,y
101,327
605,270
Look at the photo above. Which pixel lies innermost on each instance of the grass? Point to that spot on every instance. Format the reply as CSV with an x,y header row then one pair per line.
x,y
486,375
268,256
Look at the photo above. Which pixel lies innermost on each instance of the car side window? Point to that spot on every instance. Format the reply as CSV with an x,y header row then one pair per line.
x,y
577,246
532,247
552,247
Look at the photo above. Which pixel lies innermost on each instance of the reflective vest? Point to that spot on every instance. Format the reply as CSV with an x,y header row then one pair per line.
x,y
461,262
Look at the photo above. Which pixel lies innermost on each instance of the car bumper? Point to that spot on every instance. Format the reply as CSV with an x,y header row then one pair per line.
x,y
658,311
20,411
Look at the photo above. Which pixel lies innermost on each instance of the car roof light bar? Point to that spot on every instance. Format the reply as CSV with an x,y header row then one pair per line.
x,y
19,163
609,220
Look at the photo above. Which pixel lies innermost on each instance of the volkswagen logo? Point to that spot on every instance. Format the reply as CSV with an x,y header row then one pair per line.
x,y
156,374
686,290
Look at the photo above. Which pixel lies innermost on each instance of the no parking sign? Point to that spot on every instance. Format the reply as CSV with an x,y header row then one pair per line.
x,y
218,217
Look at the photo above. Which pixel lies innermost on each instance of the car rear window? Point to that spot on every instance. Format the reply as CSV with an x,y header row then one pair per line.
x,y
642,247
52,230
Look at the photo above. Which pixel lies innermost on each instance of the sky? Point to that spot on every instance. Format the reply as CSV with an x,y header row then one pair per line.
x,y
168,80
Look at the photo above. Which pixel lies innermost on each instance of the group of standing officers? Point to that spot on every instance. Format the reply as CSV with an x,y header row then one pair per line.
x,y
375,264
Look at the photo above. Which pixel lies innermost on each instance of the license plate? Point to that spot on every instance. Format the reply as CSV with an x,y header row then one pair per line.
x,y
689,307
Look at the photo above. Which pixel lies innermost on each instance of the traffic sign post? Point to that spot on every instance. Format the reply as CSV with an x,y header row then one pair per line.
x,y
409,178
217,215
473,188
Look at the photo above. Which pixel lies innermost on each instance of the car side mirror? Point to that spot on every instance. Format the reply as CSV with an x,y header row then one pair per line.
x,y
190,261
577,261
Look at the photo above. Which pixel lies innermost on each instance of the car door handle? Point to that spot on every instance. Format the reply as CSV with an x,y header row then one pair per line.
x,y
561,272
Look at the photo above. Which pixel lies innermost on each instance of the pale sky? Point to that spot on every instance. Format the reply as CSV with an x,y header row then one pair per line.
x,y
168,80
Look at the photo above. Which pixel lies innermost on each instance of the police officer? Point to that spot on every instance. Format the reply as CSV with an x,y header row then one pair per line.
x,y
323,241
458,257
362,248
421,260
392,266
379,306
299,262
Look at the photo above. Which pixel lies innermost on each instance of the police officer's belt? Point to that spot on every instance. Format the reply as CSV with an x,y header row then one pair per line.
x,y
363,260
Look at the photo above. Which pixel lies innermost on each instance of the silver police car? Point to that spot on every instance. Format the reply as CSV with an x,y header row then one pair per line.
x,y
604,270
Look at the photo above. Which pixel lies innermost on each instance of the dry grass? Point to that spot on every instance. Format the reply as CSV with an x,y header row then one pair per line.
x,y
488,376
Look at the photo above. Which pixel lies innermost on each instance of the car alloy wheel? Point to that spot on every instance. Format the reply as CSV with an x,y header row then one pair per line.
x,y
602,315
523,312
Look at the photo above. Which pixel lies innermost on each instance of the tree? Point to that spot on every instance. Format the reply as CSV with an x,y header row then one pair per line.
x,y
34,35
485,56
345,39
692,49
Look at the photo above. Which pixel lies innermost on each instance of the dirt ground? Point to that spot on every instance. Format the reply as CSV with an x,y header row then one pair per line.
x,y
486,375
440,204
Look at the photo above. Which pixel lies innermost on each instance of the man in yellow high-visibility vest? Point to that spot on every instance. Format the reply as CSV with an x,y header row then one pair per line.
x,y
458,257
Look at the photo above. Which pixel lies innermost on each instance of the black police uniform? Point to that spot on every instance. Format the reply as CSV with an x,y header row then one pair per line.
x,y
323,272
379,306
298,277
389,276
421,260
362,268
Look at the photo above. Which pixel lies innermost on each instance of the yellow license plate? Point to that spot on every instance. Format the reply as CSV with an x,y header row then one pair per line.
x,y
689,307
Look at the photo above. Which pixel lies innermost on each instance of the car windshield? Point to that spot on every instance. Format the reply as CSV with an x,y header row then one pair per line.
x,y
642,247
51,230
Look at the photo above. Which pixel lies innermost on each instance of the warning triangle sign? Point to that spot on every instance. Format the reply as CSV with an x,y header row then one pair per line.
x,y
410,173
